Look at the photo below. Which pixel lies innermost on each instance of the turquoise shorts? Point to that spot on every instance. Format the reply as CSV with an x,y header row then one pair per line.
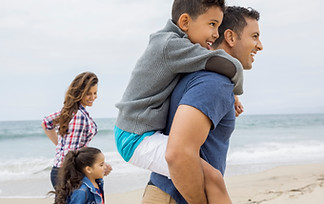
x,y
127,142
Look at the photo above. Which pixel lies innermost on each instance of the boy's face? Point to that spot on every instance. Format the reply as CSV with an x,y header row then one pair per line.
x,y
204,29
247,46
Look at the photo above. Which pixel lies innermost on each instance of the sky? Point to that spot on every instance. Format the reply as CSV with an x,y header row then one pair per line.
x,y
45,44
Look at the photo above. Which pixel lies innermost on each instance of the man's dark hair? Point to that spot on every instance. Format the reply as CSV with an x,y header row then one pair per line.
x,y
194,7
234,19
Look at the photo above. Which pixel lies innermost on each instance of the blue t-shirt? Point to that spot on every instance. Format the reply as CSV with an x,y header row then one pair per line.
x,y
212,94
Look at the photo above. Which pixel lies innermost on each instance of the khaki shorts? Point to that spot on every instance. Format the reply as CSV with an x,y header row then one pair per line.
x,y
154,195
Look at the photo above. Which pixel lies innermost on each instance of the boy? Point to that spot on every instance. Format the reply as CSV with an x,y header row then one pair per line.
x,y
183,46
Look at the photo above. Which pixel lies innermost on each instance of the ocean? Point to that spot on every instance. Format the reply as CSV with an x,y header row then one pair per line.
x,y
259,142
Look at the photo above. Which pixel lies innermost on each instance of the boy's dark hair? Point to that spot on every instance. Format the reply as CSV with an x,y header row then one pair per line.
x,y
234,19
71,173
194,7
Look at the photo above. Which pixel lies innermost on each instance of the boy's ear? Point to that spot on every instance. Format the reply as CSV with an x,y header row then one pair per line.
x,y
183,22
230,37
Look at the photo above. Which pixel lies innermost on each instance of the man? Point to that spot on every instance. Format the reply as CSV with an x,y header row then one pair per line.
x,y
203,117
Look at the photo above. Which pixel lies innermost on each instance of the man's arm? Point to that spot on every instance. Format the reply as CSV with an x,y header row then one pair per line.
x,y
189,131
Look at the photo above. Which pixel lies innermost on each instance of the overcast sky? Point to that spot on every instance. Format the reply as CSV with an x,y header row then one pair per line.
x,y
45,44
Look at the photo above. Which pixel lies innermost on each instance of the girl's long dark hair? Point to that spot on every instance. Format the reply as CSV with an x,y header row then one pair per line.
x,y
71,173
76,91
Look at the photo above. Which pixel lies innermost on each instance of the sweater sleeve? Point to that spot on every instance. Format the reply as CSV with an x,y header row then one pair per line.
x,y
184,57
230,67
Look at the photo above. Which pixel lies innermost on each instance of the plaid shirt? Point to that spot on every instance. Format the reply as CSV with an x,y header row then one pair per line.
x,y
80,132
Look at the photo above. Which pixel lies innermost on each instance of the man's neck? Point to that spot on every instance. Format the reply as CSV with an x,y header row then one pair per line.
x,y
225,47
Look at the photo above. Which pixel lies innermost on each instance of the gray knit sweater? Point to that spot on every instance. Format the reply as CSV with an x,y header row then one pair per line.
x,y
145,103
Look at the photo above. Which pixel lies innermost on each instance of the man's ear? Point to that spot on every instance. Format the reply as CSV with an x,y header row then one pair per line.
x,y
230,37
183,22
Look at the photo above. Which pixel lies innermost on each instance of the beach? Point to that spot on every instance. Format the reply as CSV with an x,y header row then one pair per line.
x,y
271,159
293,184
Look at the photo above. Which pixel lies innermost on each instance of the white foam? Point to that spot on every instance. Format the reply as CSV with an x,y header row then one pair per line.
x,y
40,168
24,168
277,153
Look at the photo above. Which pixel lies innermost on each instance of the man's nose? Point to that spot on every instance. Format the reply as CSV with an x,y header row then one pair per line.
x,y
259,46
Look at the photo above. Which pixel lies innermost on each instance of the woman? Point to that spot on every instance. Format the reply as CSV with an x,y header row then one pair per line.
x,y
75,126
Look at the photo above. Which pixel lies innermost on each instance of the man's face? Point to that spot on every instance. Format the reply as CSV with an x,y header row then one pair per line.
x,y
247,46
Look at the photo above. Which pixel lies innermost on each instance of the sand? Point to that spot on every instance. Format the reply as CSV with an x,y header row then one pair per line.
x,y
295,184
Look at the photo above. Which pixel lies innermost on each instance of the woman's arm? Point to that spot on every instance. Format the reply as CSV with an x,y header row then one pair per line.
x,y
51,134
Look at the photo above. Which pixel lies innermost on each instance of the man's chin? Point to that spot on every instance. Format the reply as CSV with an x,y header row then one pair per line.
x,y
247,67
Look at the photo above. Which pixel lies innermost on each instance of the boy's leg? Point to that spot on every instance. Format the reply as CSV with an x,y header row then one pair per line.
x,y
150,154
214,185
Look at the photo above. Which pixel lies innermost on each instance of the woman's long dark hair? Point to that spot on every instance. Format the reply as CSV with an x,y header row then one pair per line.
x,y
71,173
76,91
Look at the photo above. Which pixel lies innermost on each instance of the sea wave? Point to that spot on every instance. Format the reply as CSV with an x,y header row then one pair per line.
x,y
40,167
279,121
24,168
272,152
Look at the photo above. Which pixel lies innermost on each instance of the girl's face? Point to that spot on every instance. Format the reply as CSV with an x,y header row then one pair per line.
x,y
90,96
98,167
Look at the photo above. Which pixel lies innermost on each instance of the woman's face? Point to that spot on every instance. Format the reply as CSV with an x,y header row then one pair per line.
x,y
90,96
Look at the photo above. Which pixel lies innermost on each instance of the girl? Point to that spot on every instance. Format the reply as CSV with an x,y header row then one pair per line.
x,y
75,126
80,178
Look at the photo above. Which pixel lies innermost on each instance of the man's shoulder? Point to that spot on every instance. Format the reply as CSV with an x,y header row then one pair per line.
x,y
205,91
206,78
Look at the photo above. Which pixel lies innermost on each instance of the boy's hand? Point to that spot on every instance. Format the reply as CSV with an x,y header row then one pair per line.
x,y
108,169
238,107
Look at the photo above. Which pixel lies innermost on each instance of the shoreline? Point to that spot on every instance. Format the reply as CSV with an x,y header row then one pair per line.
x,y
296,184
292,184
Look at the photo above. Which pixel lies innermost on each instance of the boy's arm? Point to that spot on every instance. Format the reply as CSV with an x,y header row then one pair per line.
x,y
184,57
221,65
230,68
